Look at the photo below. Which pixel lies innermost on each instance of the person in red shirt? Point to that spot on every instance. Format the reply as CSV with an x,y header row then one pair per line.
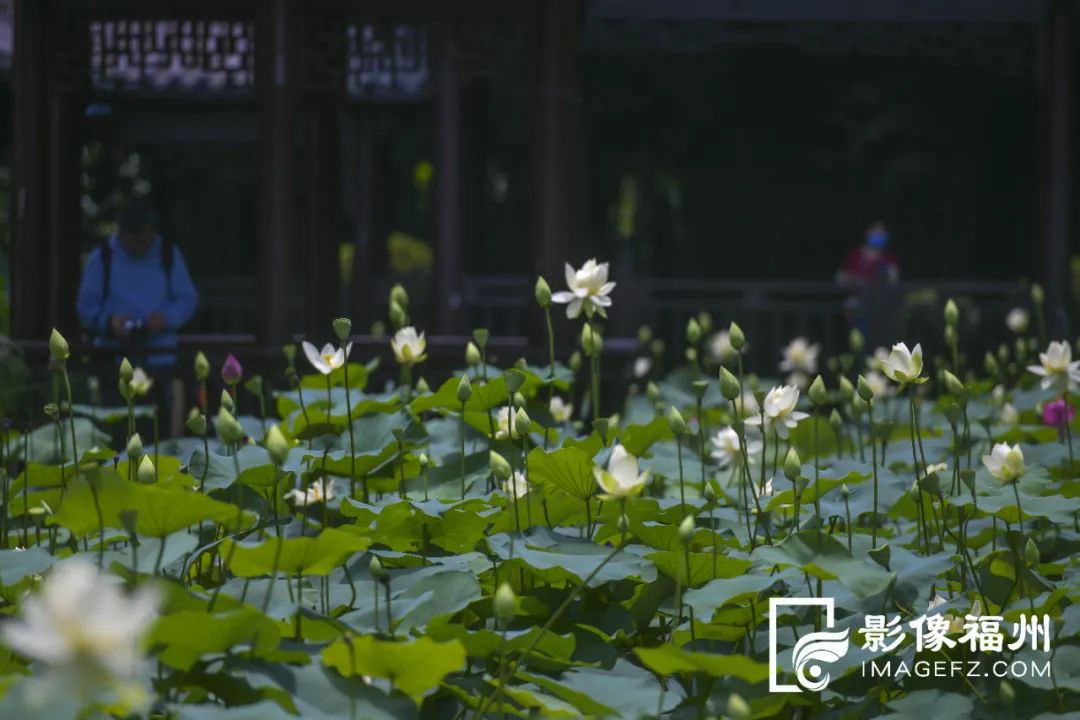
x,y
870,262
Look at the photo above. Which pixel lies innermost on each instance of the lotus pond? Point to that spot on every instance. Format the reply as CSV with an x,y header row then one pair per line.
x,y
876,534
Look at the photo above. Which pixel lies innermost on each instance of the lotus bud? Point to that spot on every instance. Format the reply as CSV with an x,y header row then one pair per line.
x,y
950,335
146,472
58,346
464,389
277,445
231,371
863,388
657,347
736,336
644,335
1037,294
709,492
514,380
859,405
856,341
521,364
652,392
375,567
522,423
397,315
623,524
700,387
738,708
288,350
343,329
693,331
845,491
818,394
519,400
847,390
952,383
990,364
792,464
126,371
134,446
227,401
422,386
228,429
686,530
500,468
729,385
591,341
542,292
196,423
202,365
480,335
704,320
291,375
675,421
835,420
399,296
832,365
52,411
952,313
504,604
254,385
378,329
1031,553
691,355
472,354
801,483
1020,349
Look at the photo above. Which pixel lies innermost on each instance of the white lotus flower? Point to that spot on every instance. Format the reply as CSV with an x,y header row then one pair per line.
x,y
408,346
642,366
799,379
878,359
504,424
1058,370
904,366
516,486
747,405
721,349
997,395
588,289
779,413
764,492
878,383
319,492
328,359
83,621
561,411
800,356
1018,320
140,382
621,479
1005,462
726,446
1009,415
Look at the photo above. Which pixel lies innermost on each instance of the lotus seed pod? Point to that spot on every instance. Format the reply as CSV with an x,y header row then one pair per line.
x,y
952,313
729,385
277,445
700,387
847,390
288,350
686,530
126,370
500,468
675,421
542,292
228,429
522,423
1037,294
134,446
472,354
146,473
1031,553
818,394
504,604
480,335
196,423
736,336
865,391
792,464
693,331
952,383
856,341
343,329
58,346
375,567
399,296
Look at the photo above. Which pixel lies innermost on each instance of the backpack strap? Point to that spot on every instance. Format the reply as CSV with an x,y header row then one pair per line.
x,y
106,267
168,257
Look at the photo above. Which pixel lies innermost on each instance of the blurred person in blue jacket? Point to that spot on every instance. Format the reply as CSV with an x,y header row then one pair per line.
x,y
136,289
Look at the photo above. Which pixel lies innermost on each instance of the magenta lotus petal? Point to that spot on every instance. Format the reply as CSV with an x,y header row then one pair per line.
x,y
1054,413
231,371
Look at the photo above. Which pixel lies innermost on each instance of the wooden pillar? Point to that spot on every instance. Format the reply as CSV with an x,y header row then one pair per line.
x,y
557,140
450,311
322,225
276,133
1057,180
29,159
65,215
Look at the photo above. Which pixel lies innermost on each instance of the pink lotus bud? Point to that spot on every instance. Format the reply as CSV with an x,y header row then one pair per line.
x,y
1054,414
231,371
